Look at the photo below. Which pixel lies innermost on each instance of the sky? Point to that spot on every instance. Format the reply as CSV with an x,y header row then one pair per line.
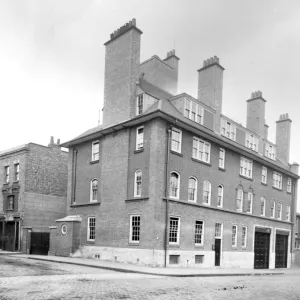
x,y
52,58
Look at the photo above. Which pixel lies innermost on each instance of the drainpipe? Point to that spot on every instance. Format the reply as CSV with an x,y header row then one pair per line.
x,y
74,165
169,132
293,217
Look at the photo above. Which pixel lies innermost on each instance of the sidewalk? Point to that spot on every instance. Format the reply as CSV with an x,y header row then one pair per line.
x,y
172,272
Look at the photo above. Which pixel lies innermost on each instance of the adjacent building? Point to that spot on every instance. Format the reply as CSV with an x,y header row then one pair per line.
x,y
33,196
168,180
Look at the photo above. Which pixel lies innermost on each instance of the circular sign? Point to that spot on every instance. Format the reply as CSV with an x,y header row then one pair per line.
x,y
64,229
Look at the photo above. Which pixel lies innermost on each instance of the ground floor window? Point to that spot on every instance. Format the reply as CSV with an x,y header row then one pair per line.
x,y
91,233
199,233
244,236
234,236
174,230
135,223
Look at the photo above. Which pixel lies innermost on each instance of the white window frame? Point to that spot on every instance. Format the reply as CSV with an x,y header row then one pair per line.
x,y
220,203
199,114
234,236
251,141
244,236
209,192
201,150
289,185
246,167
140,99
17,171
193,111
239,199
177,233
187,108
277,180
221,230
91,190
178,187
197,232
273,209
222,154
264,175
138,192
263,205
228,129
89,229
195,190
279,208
94,153
270,151
176,142
139,138
249,200
288,213
131,231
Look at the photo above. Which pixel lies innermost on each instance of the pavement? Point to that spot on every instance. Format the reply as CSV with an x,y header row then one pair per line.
x,y
170,272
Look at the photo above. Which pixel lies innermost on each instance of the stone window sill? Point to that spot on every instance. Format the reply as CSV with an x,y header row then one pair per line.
x,y
137,199
94,162
138,151
245,177
222,169
85,204
265,184
201,162
276,188
176,153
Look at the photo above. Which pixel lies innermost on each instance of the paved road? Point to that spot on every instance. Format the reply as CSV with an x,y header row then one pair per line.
x,y
29,279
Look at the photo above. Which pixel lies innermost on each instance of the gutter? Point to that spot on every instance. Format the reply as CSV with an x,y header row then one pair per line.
x,y
169,132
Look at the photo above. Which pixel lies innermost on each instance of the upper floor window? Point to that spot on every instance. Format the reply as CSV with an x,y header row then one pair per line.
x,y
174,185
140,138
135,224
220,196
94,191
176,140
262,206
193,111
270,151
249,203
206,192
140,104
192,195
277,180
228,129
279,211
6,174
91,229
288,213
174,230
264,174
289,185
17,172
201,150
11,202
273,205
95,151
222,158
246,167
138,183
234,236
251,141
239,200
199,232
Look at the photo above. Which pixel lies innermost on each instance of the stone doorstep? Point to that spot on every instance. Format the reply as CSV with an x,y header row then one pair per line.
x,y
174,272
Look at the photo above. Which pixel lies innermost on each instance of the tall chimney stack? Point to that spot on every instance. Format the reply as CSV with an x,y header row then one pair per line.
x,y
283,137
210,87
122,68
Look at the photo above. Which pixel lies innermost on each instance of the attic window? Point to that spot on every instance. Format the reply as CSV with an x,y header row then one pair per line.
x,y
140,104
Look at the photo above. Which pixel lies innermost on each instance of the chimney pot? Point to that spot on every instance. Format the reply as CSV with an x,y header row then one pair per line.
x,y
134,21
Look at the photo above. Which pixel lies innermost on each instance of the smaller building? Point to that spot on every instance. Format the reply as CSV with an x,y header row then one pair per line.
x,y
33,196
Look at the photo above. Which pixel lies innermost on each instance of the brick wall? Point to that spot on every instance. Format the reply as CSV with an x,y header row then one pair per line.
x,y
46,171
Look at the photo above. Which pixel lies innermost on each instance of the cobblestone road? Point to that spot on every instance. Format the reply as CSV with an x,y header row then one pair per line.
x,y
59,281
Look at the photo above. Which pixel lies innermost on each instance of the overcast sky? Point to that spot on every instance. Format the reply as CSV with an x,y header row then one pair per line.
x,y
52,58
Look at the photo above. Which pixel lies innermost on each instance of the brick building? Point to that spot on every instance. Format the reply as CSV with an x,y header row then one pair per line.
x,y
167,179
33,196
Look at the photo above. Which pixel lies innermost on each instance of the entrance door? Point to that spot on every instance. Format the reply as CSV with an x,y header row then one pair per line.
x,y
217,252
1,235
281,249
261,250
9,236
39,243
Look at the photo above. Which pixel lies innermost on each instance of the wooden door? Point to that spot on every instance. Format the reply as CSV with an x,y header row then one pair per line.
x,y
261,250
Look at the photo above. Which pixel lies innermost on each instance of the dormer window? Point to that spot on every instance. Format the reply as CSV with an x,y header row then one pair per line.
x,y
193,111
140,104
228,129
270,151
251,141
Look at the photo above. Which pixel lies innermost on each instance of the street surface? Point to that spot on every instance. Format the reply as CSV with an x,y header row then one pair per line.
x,y
22,278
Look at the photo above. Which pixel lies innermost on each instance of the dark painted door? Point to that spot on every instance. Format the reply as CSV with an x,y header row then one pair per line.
x,y
281,251
1,235
261,250
217,252
9,236
39,243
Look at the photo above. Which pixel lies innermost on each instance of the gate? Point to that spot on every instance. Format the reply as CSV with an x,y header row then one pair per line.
x,y
261,250
39,243
281,251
